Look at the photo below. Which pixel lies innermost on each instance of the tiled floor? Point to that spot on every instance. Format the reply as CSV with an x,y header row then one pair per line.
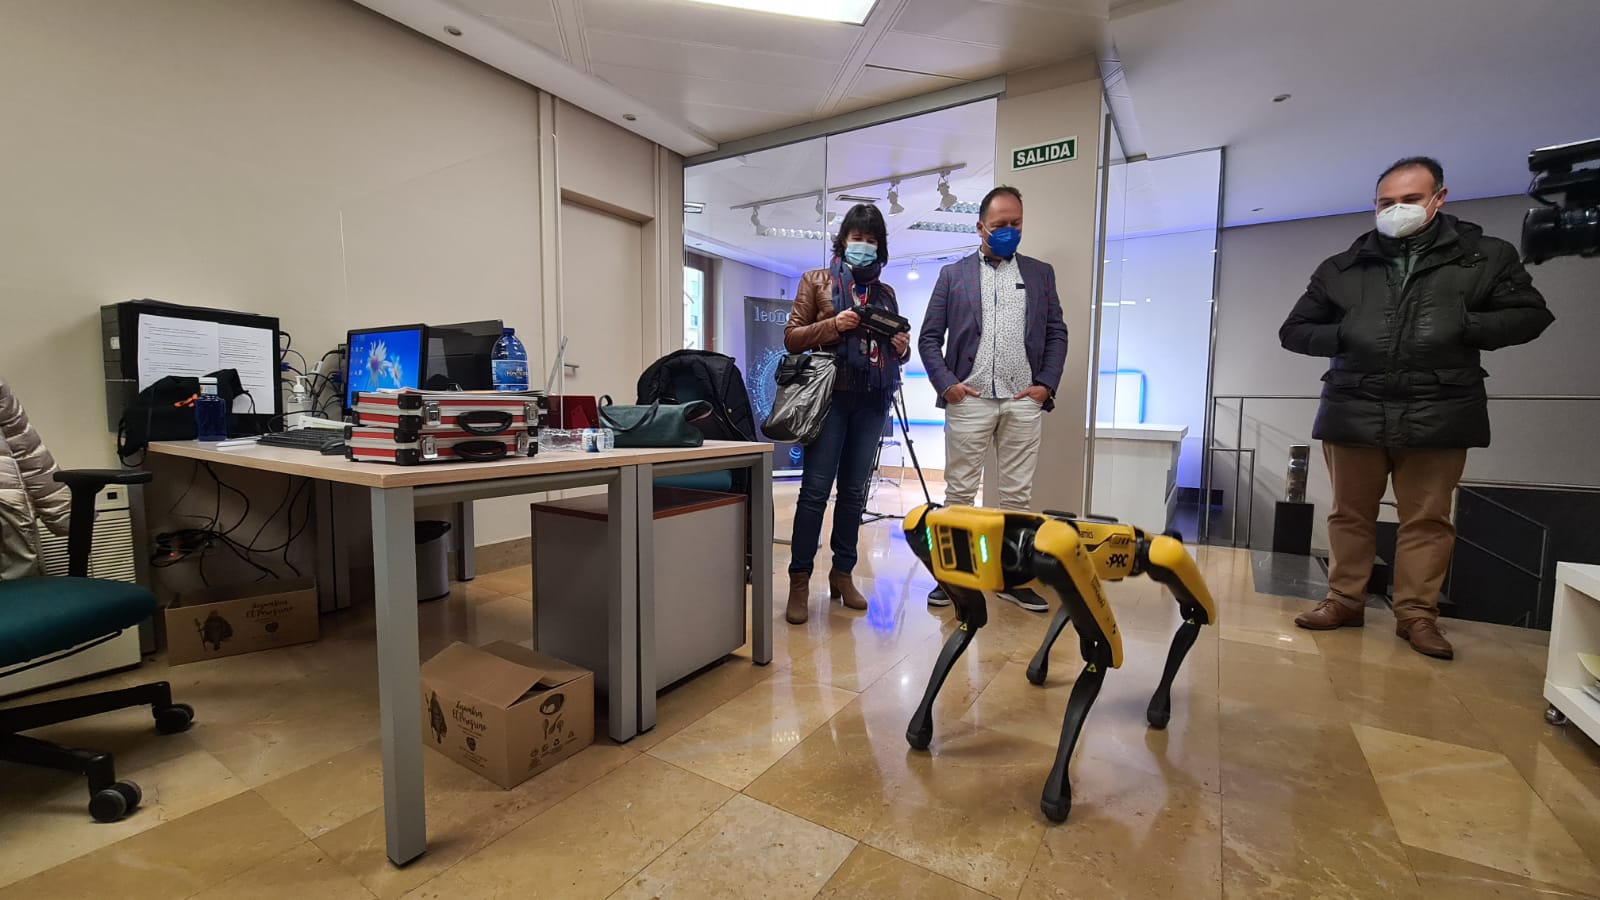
x,y
1297,765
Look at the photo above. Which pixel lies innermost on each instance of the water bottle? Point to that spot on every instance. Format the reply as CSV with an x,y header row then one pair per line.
x,y
210,413
510,361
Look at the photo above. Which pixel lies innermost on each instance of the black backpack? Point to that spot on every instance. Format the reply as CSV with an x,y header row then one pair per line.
x,y
689,375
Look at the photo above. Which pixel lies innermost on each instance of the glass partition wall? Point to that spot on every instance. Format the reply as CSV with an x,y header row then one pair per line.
x,y
1156,306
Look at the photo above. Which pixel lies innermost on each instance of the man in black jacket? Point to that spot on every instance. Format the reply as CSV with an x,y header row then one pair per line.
x,y
1404,314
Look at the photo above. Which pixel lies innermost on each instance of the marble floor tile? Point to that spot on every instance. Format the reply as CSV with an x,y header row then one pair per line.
x,y
516,582
590,844
875,643
466,813
1131,835
1418,703
689,701
1278,679
41,831
1472,804
871,874
1458,879
745,848
739,740
968,810
177,859
302,873
325,795
843,776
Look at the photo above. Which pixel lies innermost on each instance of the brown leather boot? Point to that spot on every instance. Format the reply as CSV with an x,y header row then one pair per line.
x,y
1425,638
799,598
840,587
1331,614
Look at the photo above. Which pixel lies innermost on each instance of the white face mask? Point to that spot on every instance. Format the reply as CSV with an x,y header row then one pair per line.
x,y
1402,220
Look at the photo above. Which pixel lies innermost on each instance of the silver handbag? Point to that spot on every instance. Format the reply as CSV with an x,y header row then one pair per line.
x,y
805,392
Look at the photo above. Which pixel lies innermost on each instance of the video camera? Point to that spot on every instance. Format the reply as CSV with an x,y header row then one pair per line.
x,y
882,322
1555,230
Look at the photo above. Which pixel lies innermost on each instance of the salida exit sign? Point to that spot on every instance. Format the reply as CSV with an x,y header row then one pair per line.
x,y
1053,152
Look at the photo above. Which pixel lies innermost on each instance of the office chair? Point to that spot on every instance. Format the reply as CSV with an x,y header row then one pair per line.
x,y
44,619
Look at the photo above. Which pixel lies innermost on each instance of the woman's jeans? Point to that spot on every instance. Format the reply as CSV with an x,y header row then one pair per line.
x,y
845,449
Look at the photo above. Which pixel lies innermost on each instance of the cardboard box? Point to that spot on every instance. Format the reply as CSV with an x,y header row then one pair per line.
x,y
504,711
219,622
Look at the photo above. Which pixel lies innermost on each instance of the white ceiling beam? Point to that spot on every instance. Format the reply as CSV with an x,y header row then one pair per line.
x,y
877,25
542,69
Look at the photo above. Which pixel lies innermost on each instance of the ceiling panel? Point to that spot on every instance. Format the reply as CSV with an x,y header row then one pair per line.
x,y
648,84
875,85
540,34
710,61
1031,28
526,10
937,56
726,123
681,20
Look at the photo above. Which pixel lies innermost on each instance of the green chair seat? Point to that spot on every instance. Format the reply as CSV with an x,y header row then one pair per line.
x,y
40,616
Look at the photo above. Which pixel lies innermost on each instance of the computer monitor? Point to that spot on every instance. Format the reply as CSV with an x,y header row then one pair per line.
x,y
460,355
383,359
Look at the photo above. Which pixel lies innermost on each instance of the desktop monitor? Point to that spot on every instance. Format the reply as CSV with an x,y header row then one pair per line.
x,y
460,355
382,359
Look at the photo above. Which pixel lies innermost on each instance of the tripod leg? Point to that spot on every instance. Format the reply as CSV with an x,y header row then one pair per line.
x,y
1057,800
1160,711
1040,667
919,734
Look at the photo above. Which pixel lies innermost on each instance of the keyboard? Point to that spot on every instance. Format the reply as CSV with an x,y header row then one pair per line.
x,y
323,440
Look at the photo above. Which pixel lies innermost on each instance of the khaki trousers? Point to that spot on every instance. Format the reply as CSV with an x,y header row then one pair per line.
x,y
1014,428
1424,486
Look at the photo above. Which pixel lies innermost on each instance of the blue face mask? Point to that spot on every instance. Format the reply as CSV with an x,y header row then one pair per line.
x,y
860,253
1003,241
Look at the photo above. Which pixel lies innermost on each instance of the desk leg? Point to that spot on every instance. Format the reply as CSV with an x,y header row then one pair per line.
x,y
646,486
622,612
394,570
466,544
761,561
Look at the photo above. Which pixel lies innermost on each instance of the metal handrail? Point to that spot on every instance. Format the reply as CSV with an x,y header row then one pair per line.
x,y
1239,449
1544,552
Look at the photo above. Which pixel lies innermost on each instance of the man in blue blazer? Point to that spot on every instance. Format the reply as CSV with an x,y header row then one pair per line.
x,y
994,345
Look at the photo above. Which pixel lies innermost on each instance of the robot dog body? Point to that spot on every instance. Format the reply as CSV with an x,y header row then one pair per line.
x,y
970,551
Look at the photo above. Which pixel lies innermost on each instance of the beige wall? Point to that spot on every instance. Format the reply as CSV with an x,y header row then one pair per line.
x,y
303,158
1059,228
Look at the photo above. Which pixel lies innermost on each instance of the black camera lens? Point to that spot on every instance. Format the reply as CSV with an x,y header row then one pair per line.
x,y
1552,231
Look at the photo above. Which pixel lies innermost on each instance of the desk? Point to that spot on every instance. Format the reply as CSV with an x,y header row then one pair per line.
x,y
396,491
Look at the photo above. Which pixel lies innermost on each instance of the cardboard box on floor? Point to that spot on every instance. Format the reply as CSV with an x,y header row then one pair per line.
x,y
504,711
218,622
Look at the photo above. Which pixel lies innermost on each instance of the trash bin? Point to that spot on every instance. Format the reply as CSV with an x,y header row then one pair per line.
x,y
433,560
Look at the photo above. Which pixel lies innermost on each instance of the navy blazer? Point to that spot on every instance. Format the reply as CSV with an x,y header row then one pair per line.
x,y
956,308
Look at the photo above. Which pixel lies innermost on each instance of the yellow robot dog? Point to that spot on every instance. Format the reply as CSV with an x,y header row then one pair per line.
x,y
970,551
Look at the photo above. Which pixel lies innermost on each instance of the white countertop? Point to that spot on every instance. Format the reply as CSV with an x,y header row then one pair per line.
x,y
1142,432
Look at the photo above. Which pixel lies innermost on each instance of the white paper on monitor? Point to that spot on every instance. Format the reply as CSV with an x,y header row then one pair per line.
x,y
193,348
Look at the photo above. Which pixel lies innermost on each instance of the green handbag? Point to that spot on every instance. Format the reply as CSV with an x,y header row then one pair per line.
x,y
656,425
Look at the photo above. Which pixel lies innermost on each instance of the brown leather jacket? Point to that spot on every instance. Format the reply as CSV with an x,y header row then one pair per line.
x,y
811,325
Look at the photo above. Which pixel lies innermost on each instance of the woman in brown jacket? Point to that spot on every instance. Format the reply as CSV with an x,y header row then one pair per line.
x,y
825,318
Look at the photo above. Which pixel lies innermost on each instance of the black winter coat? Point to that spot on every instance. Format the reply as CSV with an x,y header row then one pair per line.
x,y
1405,367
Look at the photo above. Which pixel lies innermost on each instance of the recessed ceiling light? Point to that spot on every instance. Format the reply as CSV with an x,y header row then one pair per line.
x,y
629,117
1281,97
851,12
452,31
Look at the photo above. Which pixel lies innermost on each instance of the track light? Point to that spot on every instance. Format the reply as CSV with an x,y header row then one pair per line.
x,y
755,219
912,275
895,208
946,198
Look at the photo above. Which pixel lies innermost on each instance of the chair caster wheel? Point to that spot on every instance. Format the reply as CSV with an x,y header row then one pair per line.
x,y
919,739
1555,716
1037,676
174,719
1054,811
112,804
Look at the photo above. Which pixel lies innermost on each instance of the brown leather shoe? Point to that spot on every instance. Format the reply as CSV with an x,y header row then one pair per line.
x,y
840,587
799,598
1425,638
1331,614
